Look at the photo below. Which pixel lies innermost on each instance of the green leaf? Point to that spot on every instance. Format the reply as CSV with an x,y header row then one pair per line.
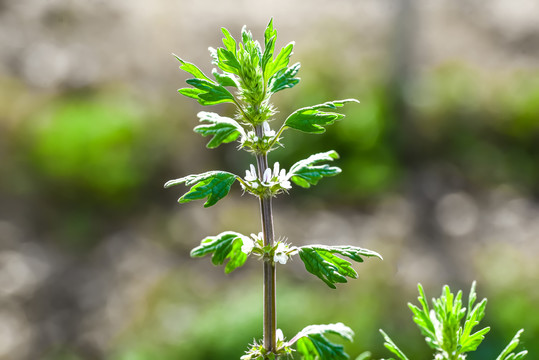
x,y
229,42
223,129
227,61
207,92
390,345
322,262
312,120
214,185
284,79
269,33
226,245
507,353
191,69
225,79
312,343
280,62
470,342
423,320
306,173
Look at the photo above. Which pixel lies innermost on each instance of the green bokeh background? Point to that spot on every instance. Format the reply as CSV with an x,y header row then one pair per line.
x,y
440,175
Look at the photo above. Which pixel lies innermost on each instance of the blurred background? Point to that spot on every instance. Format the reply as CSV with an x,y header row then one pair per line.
x,y
440,174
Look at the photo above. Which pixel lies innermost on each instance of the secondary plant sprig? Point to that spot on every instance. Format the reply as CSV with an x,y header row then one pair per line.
x,y
246,77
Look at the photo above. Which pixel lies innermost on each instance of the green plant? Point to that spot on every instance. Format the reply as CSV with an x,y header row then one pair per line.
x,y
443,329
249,76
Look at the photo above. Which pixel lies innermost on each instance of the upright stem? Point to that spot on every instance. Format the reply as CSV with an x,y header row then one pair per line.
x,y
266,211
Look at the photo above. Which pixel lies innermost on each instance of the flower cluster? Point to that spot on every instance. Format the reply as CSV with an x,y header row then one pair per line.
x,y
257,351
280,253
272,183
260,144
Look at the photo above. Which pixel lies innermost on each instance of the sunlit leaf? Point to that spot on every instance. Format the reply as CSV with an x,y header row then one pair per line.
x,y
508,354
191,69
323,262
225,79
281,61
306,172
390,345
270,35
227,61
214,185
312,120
207,92
226,245
223,129
312,344
284,79
229,42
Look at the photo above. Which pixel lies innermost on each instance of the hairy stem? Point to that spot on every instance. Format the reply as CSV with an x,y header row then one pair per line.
x,y
266,211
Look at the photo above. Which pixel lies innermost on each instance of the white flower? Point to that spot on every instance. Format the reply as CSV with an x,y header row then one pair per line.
x,y
267,130
280,254
250,175
279,335
248,245
258,238
267,176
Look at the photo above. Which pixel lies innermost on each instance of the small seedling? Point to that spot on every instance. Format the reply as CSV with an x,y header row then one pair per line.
x,y
444,331
247,76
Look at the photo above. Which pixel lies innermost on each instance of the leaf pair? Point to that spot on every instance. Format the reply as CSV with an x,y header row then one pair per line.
x,y
215,185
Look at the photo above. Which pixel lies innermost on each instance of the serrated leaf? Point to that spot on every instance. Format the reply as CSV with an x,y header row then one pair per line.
x,y
226,245
284,79
225,79
322,261
223,129
468,341
214,185
269,33
191,69
312,120
306,173
390,345
228,41
208,92
227,61
281,61
312,343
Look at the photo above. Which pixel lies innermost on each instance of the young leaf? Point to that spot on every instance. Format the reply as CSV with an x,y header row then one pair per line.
x,y
423,320
214,185
229,42
191,69
281,61
312,344
208,92
227,61
269,33
507,353
322,262
306,173
284,79
223,129
225,79
390,345
312,120
226,245
470,342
